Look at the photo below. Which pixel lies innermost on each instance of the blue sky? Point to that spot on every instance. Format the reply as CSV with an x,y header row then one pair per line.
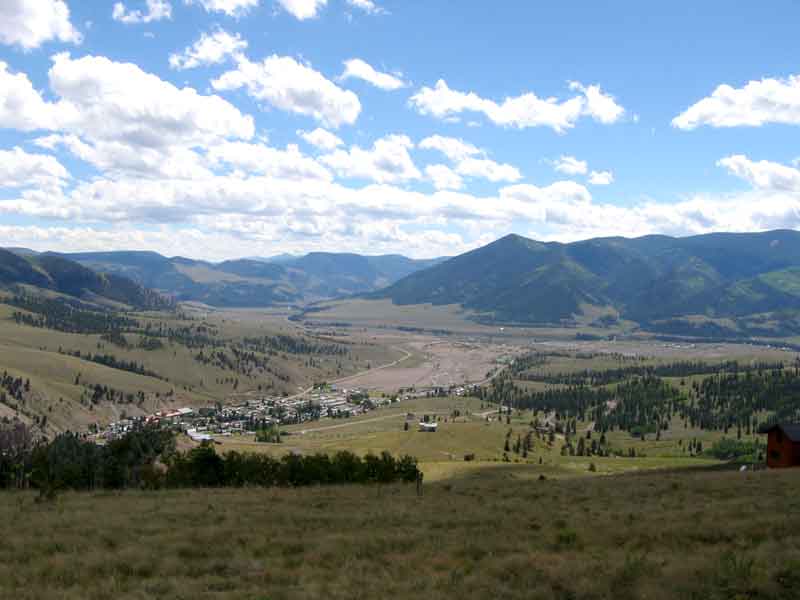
x,y
225,128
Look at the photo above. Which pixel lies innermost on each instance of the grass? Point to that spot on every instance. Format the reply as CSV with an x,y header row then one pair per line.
x,y
489,534
441,454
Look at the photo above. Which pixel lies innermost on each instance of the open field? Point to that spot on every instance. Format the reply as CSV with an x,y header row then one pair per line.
x,y
488,534
477,431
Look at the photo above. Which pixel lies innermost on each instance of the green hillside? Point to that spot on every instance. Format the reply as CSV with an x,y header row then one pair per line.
x,y
652,280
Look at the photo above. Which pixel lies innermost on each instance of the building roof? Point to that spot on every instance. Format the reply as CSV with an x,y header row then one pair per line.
x,y
790,430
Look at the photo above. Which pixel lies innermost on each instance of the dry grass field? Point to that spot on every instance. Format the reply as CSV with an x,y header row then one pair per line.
x,y
489,534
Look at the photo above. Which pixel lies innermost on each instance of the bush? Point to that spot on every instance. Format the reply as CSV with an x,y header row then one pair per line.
x,y
734,450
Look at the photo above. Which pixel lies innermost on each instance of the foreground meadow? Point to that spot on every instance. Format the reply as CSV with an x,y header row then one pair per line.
x,y
491,534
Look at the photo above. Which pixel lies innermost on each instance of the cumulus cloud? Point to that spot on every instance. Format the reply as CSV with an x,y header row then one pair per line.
x,y
21,106
232,8
470,160
294,87
303,9
156,11
20,169
569,165
119,118
321,139
358,69
210,49
246,208
488,169
388,161
443,177
763,175
262,159
30,23
527,110
755,104
104,99
601,178
455,149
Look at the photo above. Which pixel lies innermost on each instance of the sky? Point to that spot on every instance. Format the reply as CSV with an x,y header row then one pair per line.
x,y
220,129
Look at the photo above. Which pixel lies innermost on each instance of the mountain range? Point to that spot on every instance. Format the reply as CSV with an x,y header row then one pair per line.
x,y
284,279
718,283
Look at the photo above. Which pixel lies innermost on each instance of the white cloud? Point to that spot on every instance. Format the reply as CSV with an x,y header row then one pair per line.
x,y
259,158
303,9
601,178
755,104
569,165
527,110
211,49
117,159
321,138
367,6
470,160
598,105
104,99
443,177
763,175
359,69
232,8
121,119
156,11
295,87
223,213
30,23
488,169
21,106
387,162
455,149
19,169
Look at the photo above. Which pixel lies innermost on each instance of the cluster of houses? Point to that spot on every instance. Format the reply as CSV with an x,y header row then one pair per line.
x,y
249,415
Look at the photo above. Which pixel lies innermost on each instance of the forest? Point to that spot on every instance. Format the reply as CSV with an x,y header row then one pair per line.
x,y
729,396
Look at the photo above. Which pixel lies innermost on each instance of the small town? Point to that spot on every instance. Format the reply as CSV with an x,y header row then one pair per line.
x,y
247,417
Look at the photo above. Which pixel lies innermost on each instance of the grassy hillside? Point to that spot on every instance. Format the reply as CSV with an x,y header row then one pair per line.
x,y
494,534
167,345
656,281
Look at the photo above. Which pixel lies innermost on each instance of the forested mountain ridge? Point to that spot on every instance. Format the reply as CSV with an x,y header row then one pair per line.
x,y
255,282
750,279
57,274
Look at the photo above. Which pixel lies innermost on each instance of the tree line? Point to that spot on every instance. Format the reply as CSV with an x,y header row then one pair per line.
x,y
59,315
595,377
147,459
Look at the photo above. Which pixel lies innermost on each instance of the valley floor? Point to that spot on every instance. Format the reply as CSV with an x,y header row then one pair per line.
x,y
671,534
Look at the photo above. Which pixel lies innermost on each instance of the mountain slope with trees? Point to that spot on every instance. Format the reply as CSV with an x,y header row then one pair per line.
x,y
752,280
57,274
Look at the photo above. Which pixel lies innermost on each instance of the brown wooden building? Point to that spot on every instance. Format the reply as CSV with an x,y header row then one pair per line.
x,y
783,445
